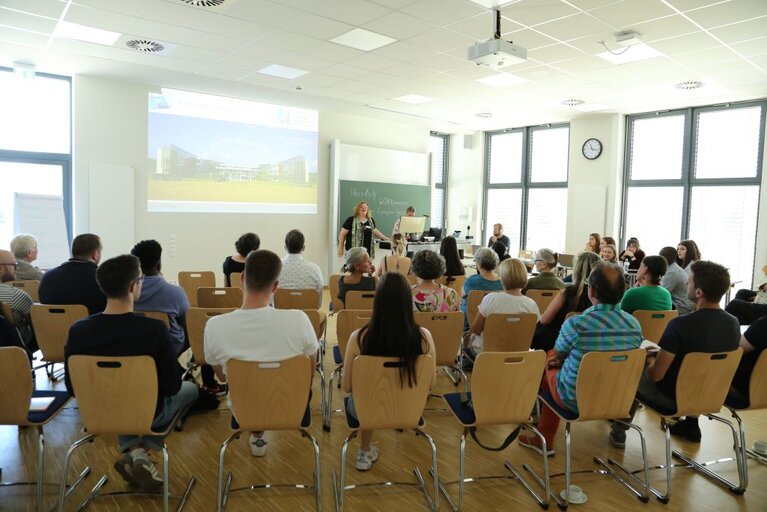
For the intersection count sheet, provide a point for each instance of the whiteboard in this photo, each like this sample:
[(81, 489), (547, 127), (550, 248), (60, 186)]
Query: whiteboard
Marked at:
[(43, 217)]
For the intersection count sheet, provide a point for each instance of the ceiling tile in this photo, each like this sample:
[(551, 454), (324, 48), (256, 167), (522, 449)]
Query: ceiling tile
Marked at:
[(344, 71), (709, 55), (742, 31), (162, 31), (354, 12), (23, 37), (533, 12), (379, 79), (177, 14), (442, 40), (318, 80), (263, 80), (372, 62), (213, 42), (288, 41), (409, 71), (572, 27), (752, 47), (243, 62), (670, 26), (554, 53), (194, 54), (48, 8), (686, 5), (404, 51), (21, 21), (398, 25), (223, 72), (733, 11), (352, 86), (482, 26), (320, 27), (530, 39), (232, 27), (266, 13), (683, 44), (99, 18), (592, 4), (333, 52), (131, 8), (443, 12), (394, 4), (627, 13), (440, 62), (583, 64)]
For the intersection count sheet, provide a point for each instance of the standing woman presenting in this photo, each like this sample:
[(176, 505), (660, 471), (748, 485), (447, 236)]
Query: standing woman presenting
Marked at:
[(359, 230)]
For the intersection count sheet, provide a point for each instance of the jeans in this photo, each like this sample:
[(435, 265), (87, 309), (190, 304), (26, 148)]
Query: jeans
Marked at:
[(651, 392), (181, 401)]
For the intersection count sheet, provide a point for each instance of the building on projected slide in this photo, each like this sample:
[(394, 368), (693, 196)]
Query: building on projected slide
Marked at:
[(175, 163)]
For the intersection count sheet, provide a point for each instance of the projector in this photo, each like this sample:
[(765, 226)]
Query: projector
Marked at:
[(497, 54)]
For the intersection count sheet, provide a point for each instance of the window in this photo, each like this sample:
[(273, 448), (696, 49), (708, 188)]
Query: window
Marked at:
[(696, 173), (35, 145), (438, 147), (526, 186)]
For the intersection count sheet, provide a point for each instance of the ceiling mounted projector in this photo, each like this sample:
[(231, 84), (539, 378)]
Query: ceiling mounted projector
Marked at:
[(496, 53)]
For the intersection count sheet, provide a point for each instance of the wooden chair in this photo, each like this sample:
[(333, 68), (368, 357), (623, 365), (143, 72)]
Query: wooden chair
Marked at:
[(7, 313), (701, 387), (319, 324), (190, 281), (235, 279), (382, 403), (196, 318), (157, 315), (543, 297), (605, 389), (30, 287), (504, 388), (268, 397), (473, 301), (347, 321), (130, 383), (446, 330), (335, 303), (307, 298), (454, 282), (509, 332), (51, 324), (356, 299), (411, 279), (654, 322), (212, 297), (17, 395)]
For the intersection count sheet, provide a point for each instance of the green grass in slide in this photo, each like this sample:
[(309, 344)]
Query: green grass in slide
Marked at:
[(232, 191)]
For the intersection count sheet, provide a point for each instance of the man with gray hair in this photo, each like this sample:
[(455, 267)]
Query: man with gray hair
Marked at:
[(24, 249)]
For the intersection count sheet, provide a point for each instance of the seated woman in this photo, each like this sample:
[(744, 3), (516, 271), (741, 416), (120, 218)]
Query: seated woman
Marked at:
[(485, 279), (428, 296), (392, 332), (448, 249), (545, 263), (687, 252), (513, 276), (360, 273), (607, 240), (633, 254), (594, 243), (396, 261), (236, 263), (574, 299), (609, 253)]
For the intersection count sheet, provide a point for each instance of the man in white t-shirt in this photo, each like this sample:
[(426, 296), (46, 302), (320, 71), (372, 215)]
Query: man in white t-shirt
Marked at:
[(258, 332), (297, 273)]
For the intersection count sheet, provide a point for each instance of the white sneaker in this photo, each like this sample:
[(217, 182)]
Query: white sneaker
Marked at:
[(366, 459), (257, 444)]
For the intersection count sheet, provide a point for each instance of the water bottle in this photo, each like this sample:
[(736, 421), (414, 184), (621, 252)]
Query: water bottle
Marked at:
[(626, 265)]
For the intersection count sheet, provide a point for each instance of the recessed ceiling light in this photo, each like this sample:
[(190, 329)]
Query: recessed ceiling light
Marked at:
[(485, 115), (573, 102), (79, 32), (689, 85), (362, 39), (591, 107), (501, 80), (413, 99), (631, 53), (282, 71)]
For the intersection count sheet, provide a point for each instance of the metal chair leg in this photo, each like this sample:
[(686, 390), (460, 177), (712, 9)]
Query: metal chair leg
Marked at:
[(220, 494), (63, 486), (627, 478)]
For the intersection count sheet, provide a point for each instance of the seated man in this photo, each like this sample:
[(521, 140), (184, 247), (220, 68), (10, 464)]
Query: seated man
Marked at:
[(258, 332), (24, 249), (159, 295), (120, 332), (675, 281), (74, 282), (708, 329), (649, 294), (602, 327), (18, 300), (753, 342), (749, 306), (297, 273)]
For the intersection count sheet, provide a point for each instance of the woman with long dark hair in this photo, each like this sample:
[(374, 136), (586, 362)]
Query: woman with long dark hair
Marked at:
[(632, 253), (391, 332), (687, 252), (448, 249)]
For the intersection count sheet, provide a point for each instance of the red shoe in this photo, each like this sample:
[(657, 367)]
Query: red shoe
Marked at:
[(534, 443)]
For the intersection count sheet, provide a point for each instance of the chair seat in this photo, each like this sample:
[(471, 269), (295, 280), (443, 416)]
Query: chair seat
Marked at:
[(352, 422), (663, 411), (461, 408), (562, 412), (60, 398), (337, 355), (306, 421)]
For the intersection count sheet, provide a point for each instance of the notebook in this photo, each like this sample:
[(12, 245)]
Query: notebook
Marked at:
[(40, 404)]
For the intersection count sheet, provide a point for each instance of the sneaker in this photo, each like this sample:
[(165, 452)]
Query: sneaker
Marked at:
[(617, 437), (366, 459), (257, 444), (534, 444), (687, 428), (146, 476), (124, 467)]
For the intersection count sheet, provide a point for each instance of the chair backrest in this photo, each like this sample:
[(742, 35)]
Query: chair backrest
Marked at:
[(472, 303), (212, 297), (30, 287), (333, 288), (757, 387), (157, 315), (454, 282), (307, 298), (607, 383), (51, 324), (654, 322), (15, 386), (411, 279), (269, 396), (235, 279), (115, 395), (446, 330), (196, 318), (348, 321), (315, 317), (356, 299), (509, 332), (381, 400), (504, 386), (7, 313), (572, 313), (543, 297), (191, 280), (704, 380)]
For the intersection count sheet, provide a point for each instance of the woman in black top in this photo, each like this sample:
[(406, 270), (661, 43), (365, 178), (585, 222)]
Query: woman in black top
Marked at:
[(633, 254), (236, 263), (449, 250), (359, 230)]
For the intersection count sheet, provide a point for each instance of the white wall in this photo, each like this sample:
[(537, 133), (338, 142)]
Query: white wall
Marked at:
[(464, 184)]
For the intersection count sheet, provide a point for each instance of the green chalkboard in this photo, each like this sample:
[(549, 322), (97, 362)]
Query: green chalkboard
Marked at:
[(387, 201)]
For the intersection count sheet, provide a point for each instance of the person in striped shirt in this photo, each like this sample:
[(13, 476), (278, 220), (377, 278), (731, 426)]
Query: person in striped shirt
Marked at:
[(602, 327)]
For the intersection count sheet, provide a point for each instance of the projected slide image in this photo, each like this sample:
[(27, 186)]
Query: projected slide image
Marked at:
[(214, 154)]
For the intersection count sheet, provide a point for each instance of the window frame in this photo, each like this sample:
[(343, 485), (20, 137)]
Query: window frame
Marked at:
[(442, 185)]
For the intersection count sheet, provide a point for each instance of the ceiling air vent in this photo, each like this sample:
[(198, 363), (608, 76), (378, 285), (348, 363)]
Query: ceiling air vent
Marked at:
[(204, 3), (689, 85), (145, 45)]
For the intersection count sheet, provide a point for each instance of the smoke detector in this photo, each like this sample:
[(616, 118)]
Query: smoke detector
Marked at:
[(629, 38)]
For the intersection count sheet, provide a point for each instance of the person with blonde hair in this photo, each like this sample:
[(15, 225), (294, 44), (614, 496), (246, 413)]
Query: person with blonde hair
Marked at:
[(513, 274), (396, 261), (24, 249), (609, 253), (359, 231)]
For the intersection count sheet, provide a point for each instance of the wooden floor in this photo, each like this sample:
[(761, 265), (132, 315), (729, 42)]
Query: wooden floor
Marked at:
[(194, 451)]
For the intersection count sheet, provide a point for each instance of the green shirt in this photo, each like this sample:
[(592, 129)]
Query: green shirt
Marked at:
[(653, 298)]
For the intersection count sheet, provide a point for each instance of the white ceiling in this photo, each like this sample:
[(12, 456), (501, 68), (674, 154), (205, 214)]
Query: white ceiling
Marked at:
[(721, 43)]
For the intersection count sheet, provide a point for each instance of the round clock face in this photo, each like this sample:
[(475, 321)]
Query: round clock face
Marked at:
[(592, 148)]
